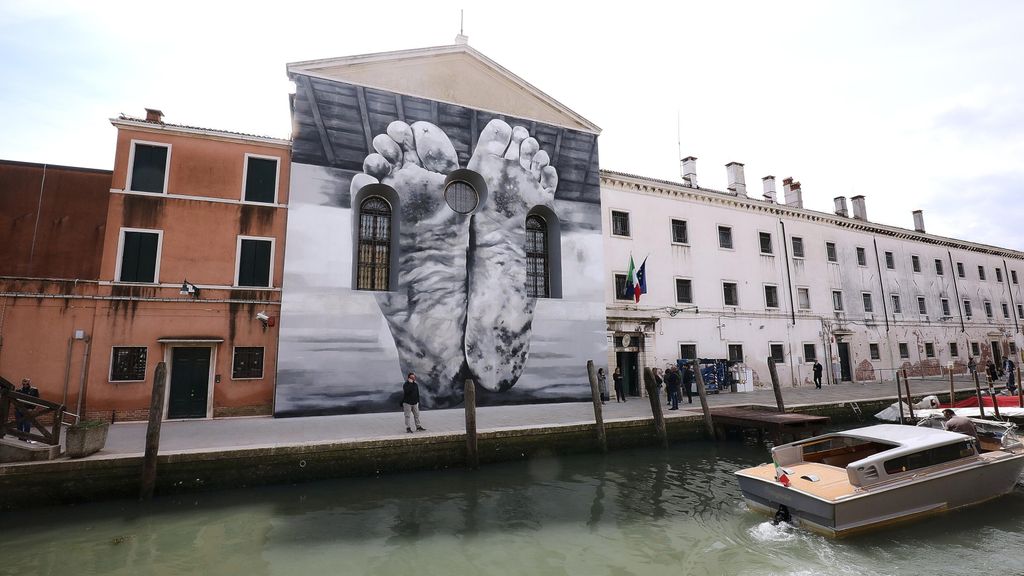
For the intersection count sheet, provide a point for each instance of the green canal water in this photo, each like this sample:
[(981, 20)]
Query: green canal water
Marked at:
[(640, 512)]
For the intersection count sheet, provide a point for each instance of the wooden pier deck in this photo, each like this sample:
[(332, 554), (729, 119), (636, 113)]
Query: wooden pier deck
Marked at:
[(779, 427)]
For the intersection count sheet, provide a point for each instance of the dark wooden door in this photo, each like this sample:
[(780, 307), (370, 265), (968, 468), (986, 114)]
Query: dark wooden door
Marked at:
[(629, 364), (997, 355), (190, 382), (844, 362)]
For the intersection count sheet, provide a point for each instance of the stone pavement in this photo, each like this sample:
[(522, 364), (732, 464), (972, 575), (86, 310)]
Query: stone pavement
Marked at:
[(223, 434)]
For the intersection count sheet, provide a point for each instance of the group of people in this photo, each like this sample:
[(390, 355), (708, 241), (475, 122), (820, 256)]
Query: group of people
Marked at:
[(673, 381), (993, 373)]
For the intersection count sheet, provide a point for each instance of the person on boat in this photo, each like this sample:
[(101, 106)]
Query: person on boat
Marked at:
[(959, 424)]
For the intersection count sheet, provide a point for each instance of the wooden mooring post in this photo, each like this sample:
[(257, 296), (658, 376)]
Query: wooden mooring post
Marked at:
[(977, 391), (659, 417), (595, 393), (995, 401), (156, 416), (910, 402), (709, 424), (774, 373), (1020, 389), (952, 391), (899, 396), (472, 457)]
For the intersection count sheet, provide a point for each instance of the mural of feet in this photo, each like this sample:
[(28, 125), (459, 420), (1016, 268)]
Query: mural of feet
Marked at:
[(460, 307)]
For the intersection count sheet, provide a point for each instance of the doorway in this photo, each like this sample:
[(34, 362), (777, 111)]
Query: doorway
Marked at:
[(997, 355), (628, 362), (190, 382), (844, 362)]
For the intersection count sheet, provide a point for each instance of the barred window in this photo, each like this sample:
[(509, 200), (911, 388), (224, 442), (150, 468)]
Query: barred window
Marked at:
[(248, 362), (537, 258), (128, 364), (374, 244)]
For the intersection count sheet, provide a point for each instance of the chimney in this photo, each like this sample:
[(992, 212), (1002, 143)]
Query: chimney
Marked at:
[(841, 206), (154, 115), (859, 211), (689, 169), (794, 196), (919, 221), (737, 184), (769, 188)]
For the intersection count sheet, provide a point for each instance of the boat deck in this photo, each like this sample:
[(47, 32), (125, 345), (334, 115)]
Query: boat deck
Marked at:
[(832, 483)]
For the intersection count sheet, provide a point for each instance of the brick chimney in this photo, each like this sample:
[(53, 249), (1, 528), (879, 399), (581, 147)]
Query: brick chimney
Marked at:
[(737, 184), (769, 188), (860, 212), (688, 167), (154, 115), (841, 206), (919, 221), (794, 196)]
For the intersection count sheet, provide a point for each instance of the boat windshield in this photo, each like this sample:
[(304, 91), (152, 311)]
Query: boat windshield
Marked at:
[(841, 450)]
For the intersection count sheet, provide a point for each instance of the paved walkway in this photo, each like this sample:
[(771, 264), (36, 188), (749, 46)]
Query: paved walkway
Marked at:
[(206, 435)]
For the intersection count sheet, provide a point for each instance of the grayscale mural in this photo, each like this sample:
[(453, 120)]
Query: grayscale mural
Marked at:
[(432, 238)]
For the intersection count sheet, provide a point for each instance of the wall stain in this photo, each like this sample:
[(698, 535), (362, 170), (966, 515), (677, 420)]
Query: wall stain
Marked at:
[(142, 211), (256, 220)]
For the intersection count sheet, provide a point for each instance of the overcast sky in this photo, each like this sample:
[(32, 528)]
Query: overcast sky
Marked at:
[(915, 105)]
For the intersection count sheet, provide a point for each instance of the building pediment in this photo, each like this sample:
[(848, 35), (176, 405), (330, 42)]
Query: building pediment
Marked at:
[(455, 74)]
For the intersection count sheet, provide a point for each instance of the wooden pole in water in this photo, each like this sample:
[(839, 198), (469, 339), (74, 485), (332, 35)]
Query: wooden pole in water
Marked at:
[(595, 393), (156, 416), (977, 391), (703, 393), (910, 402), (659, 416), (952, 392), (1020, 389), (995, 400), (774, 373), (899, 396), (472, 457)]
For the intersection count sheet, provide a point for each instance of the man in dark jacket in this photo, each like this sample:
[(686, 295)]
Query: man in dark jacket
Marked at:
[(411, 403), (672, 383), (24, 424), (817, 374), (688, 382)]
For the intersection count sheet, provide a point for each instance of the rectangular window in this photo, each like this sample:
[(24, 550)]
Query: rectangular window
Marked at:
[(975, 349), (1013, 348), (765, 240), (798, 247), (735, 352), (684, 291), (938, 267), (139, 256), (1013, 276), (778, 354), (862, 257), (771, 296), (830, 252), (248, 363), (896, 308), (620, 223), (1020, 311), (954, 350), (922, 307), (915, 263), (810, 355), (729, 294), (960, 270), (620, 288), (149, 167), (890, 262), (999, 274), (967, 309), (260, 183), (929, 350), (988, 309), (904, 350), (869, 305), (837, 300), (128, 364), (804, 297), (945, 306), (688, 351), (255, 261), (873, 350), (981, 272), (679, 233), (1006, 310), (724, 237)]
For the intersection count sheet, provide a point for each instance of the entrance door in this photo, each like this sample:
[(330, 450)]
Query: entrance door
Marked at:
[(997, 355), (190, 382), (628, 363), (844, 362)]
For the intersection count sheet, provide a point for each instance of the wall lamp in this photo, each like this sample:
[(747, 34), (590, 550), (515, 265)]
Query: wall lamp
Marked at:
[(673, 312), (188, 288)]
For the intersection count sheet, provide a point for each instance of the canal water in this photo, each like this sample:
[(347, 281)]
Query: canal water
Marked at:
[(638, 512)]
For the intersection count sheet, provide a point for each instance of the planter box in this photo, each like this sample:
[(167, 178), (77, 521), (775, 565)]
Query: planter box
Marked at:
[(82, 441)]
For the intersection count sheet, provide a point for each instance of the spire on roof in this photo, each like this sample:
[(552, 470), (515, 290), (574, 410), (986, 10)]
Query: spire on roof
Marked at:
[(460, 38)]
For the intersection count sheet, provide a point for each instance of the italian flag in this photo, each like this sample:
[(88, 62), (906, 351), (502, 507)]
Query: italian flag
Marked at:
[(780, 473), (636, 280)]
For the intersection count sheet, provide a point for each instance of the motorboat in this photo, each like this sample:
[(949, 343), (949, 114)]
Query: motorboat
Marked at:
[(843, 483)]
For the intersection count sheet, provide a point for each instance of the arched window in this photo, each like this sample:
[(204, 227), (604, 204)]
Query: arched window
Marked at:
[(374, 261), (537, 285)]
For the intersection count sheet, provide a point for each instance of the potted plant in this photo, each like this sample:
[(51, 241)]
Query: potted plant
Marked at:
[(86, 437)]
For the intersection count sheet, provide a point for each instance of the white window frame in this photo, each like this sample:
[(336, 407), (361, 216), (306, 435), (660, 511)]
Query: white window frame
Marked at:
[(803, 247), (672, 231), (922, 302), (120, 255), (238, 260), (737, 285), (799, 304), (131, 166), (675, 290), (681, 343), (940, 270), (946, 310), (857, 253), (934, 354), (835, 252), (913, 258), (888, 255), (877, 355), (987, 307), (968, 309), (897, 303), (842, 305), (954, 350), (718, 237), (263, 369), (245, 177), (776, 343), (870, 299), (778, 300), (1005, 308), (110, 365), (803, 350), (611, 222), (771, 243)]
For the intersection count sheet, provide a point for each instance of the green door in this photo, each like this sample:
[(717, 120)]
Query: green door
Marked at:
[(190, 382)]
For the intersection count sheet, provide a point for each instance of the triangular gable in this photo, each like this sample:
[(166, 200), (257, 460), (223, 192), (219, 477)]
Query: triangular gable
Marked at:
[(455, 74)]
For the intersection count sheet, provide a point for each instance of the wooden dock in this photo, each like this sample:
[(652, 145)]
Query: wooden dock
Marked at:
[(779, 427)]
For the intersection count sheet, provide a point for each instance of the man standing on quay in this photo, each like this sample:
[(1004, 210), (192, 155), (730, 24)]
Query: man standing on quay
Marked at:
[(817, 374), (411, 403)]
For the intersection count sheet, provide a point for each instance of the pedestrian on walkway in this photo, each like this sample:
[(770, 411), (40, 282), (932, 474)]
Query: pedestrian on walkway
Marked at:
[(617, 382), (991, 371), (1011, 382), (972, 366), (602, 385), (21, 417), (688, 382), (411, 403), (672, 384), (817, 374)]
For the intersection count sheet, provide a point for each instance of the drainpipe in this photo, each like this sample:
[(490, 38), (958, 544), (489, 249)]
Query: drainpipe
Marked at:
[(1013, 306), (885, 309), (789, 279), (82, 384)]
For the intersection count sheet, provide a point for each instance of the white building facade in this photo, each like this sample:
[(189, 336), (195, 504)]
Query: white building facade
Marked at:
[(734, 277)]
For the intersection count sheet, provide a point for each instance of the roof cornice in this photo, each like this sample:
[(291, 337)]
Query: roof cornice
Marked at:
[(157, 128)]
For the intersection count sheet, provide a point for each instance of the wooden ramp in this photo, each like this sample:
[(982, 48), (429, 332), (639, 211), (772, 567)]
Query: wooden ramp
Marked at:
[(779, 427)]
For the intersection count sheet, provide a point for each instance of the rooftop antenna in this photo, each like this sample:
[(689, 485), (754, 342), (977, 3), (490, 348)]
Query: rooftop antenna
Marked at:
[(461, 39), (679, 139)]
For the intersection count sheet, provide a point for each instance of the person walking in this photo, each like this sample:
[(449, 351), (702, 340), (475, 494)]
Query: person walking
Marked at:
[(658, 380), (1011, 381), (22, 419), (617, 382), (817, 374), (672, 384), (972, 366), (602, 385), (991, 371), (688, 382), (411, 403)]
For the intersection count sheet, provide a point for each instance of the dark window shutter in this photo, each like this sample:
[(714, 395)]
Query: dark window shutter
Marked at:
[(138, 260), (254, 263), (148, 168), (260, 180)]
